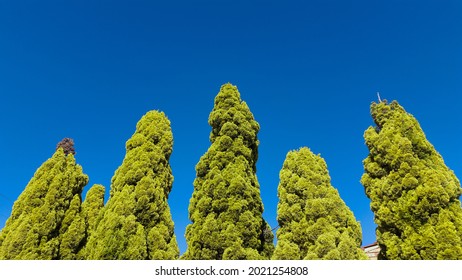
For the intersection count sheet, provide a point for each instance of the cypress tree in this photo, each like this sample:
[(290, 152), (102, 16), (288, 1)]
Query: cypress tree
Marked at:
[(72, 231), (226, 208), (92, 205), (90, 214), (414, 195), (136, 223), (314, 222), (40, 223)]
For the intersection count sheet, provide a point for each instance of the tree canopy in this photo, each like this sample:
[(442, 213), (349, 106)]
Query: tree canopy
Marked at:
[(44, 220), (226, 207), (314, 222), (414, 195), (136, 222)]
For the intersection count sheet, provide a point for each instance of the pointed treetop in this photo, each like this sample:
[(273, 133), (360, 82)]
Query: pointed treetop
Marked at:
[(383, 112), (230, 93), (232, 117), (68, 146)]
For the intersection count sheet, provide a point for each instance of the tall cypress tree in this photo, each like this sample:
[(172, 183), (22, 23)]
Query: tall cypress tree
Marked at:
[(314, 222), (39, 226), (226, 208), (136, 222), (414, 195)]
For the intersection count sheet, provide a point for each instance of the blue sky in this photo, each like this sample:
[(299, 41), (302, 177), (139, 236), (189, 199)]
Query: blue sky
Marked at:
[(308, 70)]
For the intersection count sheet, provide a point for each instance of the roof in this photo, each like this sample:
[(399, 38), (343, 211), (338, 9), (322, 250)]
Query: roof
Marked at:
[(370, 245)]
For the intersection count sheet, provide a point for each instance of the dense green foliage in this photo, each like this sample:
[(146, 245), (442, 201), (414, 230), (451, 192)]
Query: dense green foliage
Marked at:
[(414, 195), (45, 221), (90, 214), (226, 208), (92, 205), (136, 223), (72, 231), (314, 222)]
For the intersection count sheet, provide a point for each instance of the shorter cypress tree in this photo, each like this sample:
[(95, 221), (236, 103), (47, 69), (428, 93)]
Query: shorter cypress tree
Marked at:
[(90, 214), (40, 225), (92, 205), (72, 231), (136, 222), (314, 222)]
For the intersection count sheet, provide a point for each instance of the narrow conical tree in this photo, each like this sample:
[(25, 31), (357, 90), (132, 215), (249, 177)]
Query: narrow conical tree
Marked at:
[(314, 222), (90, 214), (226, 207), (72, 231), (136, 223), (414, 195), (92, 205), (39, 226)]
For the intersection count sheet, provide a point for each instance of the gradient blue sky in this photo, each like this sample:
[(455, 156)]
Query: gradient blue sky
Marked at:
[(308, 70)]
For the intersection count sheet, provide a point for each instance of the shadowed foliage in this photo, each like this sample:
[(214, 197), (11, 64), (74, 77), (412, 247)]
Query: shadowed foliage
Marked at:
[(226, 208), (314, 222), (414, 195)]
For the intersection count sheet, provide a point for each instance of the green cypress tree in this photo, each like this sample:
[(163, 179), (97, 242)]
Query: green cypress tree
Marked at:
[(414, 195), (314, 222), (39, 226), (226, 208), (90, 214), (72, 231), (136, 222), (92, 205)]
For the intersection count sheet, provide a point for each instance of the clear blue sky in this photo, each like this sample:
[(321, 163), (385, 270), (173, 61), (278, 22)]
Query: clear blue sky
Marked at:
[(308, 70)]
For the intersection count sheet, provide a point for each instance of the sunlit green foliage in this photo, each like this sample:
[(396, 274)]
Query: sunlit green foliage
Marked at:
[(92, 205), (45, 221), (73, 231), (315, 223), (414, 195), (136, 223), (90, 214), (226, 208)]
